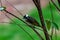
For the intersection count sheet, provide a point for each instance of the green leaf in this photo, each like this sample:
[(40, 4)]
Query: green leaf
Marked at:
[(48, 24), (55, 25)]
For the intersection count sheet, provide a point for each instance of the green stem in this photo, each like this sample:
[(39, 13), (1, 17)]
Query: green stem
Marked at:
[(52, 20), (25, 23), (55, 34)]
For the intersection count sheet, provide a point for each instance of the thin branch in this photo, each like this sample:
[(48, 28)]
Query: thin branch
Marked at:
[(20, 27), (38, 5), (14, 8), (55, 5), (36, 33), (41, 30), (15, 16), (17, 10), (23, 22)]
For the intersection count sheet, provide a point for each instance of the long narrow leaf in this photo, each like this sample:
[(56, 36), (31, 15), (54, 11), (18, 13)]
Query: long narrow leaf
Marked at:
[(48, 24), (55, 25)]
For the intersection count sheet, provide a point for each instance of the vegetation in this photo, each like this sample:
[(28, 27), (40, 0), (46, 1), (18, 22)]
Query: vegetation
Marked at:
[(47, 17)]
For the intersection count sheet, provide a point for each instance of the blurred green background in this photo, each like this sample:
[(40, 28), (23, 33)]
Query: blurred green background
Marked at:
[(14, 32)]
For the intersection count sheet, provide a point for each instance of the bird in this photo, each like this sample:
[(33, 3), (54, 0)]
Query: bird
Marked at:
[(31, 20)]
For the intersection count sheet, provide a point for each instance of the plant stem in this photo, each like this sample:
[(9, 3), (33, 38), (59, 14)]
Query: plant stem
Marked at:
[(38, 5), (37, 33), (20, 27), (25, 23), (55, 34), (43, 25), (52, 20), (52, 33), (55, 5)]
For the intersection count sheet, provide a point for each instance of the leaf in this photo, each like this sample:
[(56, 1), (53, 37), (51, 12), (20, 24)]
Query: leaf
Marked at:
[(48, 24), (55, 25)]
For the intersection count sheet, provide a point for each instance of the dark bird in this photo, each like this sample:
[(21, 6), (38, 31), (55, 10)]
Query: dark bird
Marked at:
[(31, 20)]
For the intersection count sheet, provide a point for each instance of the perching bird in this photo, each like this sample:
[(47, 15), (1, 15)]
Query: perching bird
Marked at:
[(59, 2), (31, 20)]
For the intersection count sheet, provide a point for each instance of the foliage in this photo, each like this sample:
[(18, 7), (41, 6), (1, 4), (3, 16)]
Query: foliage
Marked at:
[(13, 32)]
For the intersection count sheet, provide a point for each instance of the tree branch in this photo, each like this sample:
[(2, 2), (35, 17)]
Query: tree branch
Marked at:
[(41, 38), (38, 5), (26, 24), (20, 27), (55, 5)]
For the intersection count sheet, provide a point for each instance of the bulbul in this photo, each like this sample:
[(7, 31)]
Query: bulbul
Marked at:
[(31, 20)]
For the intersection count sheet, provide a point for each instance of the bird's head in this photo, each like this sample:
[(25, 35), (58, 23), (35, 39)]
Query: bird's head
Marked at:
[(25, 16)]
